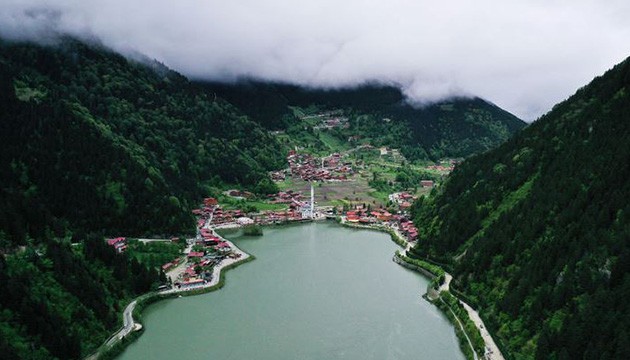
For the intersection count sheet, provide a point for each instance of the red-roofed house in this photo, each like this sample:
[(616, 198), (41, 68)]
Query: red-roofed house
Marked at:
[(192, 283), (119, 243), (195, 254), (210, 201)]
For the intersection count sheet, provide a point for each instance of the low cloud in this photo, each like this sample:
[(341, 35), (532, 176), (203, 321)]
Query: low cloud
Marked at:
[(524, 56)]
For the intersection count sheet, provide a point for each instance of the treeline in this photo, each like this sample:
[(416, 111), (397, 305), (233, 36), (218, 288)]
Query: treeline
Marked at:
[(62, 302), (101, 142), (538, 230)]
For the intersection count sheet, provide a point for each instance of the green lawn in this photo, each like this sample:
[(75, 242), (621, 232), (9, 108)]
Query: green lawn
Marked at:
[(333, 143)]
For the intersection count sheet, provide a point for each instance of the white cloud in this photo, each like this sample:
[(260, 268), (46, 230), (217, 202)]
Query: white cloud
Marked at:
[(522, 55)]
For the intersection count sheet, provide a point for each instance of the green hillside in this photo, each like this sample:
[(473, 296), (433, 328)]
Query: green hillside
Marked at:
[(452, 128), (537, 231), (101, 142), (96, 145)]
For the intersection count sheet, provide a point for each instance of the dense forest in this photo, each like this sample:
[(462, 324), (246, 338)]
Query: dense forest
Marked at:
[(456, 127), (87, 132), (537, 232)]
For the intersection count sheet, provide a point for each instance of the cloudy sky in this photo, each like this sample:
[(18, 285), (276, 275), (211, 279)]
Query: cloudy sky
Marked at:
[(522, 55)]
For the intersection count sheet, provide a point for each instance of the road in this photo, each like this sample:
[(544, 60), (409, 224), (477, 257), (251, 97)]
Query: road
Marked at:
[(492, 350), (128, 324), (144, 241)]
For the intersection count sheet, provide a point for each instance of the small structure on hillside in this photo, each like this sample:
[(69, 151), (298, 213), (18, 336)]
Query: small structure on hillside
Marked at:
[(119, 244)]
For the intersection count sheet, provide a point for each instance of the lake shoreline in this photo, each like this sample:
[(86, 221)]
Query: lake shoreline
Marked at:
[(115, 349), (485, 344), (122, 338)]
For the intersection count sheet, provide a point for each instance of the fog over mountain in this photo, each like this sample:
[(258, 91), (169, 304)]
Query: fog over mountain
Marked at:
[(524, 56)]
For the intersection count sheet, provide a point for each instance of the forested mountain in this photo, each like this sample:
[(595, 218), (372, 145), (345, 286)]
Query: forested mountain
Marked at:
[(101, 142), (94, 144), (452, 128), (537, 231)]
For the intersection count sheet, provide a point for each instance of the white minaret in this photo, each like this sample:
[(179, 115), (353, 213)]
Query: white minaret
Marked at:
[(312, 201), (308, 209)]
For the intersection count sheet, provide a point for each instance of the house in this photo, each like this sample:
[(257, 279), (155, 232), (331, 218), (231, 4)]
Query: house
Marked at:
[(384, 216), (195, 254), (119, 244), (191, 283), (426, 183), (210, 201), (245, 221)]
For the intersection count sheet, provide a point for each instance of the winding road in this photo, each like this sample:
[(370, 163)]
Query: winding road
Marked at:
[(128, 324), (492, 350)]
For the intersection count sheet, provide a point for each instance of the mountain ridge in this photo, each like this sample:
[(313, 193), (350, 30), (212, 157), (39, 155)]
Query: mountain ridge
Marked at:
[(537, 230)]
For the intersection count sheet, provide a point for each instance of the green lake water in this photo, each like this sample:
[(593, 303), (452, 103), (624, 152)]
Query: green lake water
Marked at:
[(315, 291)]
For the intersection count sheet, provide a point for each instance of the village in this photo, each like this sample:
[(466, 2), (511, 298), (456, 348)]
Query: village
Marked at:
[(309, 168), (205, 254), (208, 252)]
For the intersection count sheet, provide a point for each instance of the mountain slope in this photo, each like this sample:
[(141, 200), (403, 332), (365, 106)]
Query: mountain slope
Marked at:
[(94, 145), (453, 128), (85, 131), (538, 230)]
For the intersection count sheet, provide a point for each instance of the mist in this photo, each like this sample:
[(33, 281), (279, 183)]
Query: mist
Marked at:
[(523, 56)]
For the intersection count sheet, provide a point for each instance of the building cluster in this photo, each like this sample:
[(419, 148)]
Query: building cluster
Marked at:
[(401, 223), (408, 229), (170, 265), (277, 217), (210, 249), (119, 244), (285, 197), (445, 166), (402, 199), (333, 122), (365, 216), (308, 168), (212, 212)]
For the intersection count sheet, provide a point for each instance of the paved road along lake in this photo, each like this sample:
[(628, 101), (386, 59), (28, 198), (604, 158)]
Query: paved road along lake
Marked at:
[(315, 291)]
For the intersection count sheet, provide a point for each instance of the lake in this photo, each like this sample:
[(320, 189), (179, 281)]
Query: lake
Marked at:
[(315, 291)]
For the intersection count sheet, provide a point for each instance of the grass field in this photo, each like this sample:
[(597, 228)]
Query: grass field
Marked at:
[(335, 193)]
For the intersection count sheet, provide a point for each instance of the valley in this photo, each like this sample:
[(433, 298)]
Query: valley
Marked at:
[(124, 181)]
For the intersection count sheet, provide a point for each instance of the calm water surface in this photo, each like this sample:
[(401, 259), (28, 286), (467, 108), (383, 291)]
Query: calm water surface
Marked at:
[(315, 291)]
